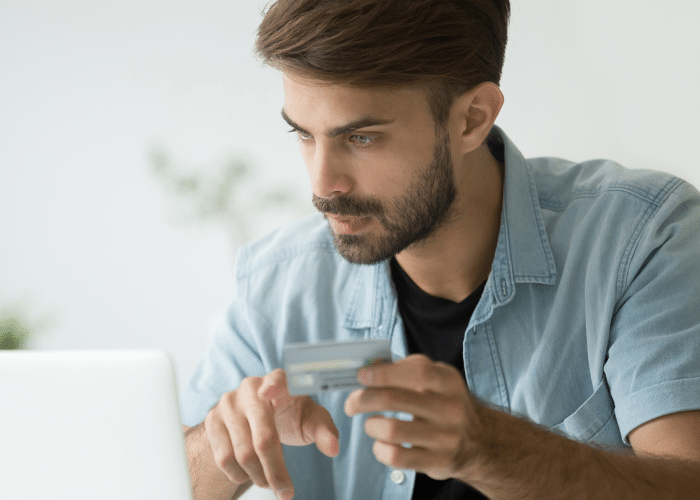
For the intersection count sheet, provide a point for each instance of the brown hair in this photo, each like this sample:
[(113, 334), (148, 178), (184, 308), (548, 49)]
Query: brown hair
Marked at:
[(447, 46)]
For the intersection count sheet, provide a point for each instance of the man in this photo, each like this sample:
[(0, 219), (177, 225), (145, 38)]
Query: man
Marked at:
[(543, 315)]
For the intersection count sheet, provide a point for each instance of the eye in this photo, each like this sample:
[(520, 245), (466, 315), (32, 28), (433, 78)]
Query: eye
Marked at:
[(302, 135), (362, 140)]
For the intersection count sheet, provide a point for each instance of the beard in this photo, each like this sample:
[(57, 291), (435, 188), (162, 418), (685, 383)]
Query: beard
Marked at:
[(406, 220)]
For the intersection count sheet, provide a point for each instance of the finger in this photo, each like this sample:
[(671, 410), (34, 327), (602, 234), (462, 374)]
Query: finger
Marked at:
[(429, 407), (417, 433), (274, 386), (222, 449), (416, 372), (243, 449), (399, 457), (317, 424), (268, 447)]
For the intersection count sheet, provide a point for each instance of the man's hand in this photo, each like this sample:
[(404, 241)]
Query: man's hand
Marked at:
[(446, 427), (247, 427), (504, 456)]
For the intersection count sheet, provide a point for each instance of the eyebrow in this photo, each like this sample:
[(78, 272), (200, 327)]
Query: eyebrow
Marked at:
[(363, 122)]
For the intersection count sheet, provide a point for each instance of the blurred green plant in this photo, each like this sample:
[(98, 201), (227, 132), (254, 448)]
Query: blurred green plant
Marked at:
[(230, 194), (212, 197), (14, 333)]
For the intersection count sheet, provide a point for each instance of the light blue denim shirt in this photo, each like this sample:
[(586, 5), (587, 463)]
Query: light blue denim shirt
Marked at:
[(589, 323)]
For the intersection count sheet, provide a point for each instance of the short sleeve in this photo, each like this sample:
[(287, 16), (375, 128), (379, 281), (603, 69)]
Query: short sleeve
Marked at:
[(653, 365)]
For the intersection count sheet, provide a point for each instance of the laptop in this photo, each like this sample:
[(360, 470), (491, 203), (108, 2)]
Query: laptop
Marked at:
[(84, 425)]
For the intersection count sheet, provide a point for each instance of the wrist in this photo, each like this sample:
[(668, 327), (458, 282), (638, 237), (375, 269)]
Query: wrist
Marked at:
[(514, 457), (206, 479), (481, 446)]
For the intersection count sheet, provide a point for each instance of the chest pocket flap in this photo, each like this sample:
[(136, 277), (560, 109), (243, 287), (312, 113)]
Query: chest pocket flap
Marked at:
[(594, 420)]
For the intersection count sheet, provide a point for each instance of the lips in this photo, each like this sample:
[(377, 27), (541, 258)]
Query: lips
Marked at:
[(347, 225)]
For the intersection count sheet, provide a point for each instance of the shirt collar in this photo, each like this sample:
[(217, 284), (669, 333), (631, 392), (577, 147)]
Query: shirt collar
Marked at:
[(523, 253)]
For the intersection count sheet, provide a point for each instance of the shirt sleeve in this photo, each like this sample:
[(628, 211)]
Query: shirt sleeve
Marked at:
[(653, 365)]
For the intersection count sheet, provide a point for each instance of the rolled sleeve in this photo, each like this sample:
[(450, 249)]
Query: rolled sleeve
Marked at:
[(653, 365), (655, 401)]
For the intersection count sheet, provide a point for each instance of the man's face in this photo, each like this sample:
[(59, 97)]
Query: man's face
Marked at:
[(380, 171)]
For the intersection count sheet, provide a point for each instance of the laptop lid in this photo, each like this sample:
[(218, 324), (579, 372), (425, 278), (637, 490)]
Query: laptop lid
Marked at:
[(83, 425)]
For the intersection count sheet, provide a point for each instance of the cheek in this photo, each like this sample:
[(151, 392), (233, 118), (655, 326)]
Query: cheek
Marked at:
[(392, 175), (386, 180)]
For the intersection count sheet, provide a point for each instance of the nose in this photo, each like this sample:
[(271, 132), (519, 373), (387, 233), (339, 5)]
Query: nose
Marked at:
[(328, 172)]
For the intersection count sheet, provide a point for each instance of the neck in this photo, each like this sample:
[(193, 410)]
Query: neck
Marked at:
[(453, 261)]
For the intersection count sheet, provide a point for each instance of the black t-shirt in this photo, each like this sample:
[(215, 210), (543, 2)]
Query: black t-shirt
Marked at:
[(435, 327)]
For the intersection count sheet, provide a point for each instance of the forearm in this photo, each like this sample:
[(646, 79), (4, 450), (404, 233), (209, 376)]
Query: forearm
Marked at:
[(208, 481), (522, 461)]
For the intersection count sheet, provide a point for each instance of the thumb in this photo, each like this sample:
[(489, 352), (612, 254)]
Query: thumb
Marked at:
[(318, 427)]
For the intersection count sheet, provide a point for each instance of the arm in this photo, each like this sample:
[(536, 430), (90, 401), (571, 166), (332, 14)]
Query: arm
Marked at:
[(507, 458), (520, 460)]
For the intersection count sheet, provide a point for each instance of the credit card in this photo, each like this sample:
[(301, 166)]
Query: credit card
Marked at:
[(330, 366)]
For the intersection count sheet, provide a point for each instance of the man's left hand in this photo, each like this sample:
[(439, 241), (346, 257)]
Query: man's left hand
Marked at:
[(446, 428)]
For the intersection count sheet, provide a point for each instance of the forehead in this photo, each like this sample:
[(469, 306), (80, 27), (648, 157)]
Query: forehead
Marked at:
[(307, 99)]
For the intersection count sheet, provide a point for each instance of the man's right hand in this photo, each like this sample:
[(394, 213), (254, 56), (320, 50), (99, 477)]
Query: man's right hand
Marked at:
[(247, 427)]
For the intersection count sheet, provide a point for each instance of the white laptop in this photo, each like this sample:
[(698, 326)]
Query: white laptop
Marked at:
[(85, 425)]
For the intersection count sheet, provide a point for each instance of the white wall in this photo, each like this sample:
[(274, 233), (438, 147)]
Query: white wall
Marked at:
[(606, 79), (89, 238)]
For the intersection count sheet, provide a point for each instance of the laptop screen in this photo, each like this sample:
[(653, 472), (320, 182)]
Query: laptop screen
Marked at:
[(90, 424)]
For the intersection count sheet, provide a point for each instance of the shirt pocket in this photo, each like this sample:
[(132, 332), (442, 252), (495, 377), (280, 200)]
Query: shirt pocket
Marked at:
[(594, 420)]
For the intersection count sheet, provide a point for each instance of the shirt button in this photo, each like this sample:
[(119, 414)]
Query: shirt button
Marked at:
[(397, 476)]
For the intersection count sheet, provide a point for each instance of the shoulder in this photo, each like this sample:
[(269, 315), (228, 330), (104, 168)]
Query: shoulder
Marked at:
[(307, 236), (294, 286), (298, 259), (616, 218), (619, 204), (560, 182)]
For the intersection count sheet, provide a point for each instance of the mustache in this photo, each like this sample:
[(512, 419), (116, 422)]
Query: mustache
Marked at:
[(348, 206)]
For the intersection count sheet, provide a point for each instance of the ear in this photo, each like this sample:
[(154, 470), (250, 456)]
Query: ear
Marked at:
[(473, 114)]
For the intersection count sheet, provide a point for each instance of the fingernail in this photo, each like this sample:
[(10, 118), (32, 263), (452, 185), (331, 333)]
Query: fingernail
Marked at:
[(285, 494)]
